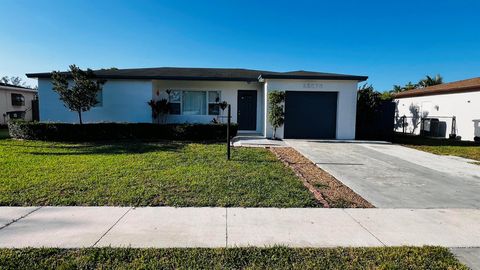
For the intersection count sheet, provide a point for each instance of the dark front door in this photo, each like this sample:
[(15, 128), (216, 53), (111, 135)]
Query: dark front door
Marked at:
[(310, 115), (247, 110)]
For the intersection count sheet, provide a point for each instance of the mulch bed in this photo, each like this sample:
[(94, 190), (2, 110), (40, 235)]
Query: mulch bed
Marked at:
[(326, 188)]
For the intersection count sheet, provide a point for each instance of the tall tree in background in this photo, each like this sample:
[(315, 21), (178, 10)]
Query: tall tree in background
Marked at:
[(374, 109), (429, 81), (369, 100), (82, 95), (406, 87), (410, 86), (397, 89), (425, 82), (15, 80)]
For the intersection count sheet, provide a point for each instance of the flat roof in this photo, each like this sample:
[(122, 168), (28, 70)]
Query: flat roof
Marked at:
[(469, 85), (212, 74), (7, 86)]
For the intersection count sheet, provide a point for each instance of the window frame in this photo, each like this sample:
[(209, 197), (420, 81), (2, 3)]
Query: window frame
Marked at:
[(13, 100), (215, 102), (179, 102)]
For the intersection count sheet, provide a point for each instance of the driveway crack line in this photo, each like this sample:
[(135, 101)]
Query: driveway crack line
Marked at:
[(365, 228), (111, 227), (21, 217)]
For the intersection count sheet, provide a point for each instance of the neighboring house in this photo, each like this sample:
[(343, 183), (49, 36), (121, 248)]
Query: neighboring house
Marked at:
[(318, 105), (16, 102), (438, 104)]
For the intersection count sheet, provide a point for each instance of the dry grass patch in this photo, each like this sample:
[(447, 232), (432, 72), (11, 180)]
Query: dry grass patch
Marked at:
[(326, 188)]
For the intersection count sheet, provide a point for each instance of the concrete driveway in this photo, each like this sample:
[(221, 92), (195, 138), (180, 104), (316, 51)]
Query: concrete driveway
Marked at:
[(393, 176)]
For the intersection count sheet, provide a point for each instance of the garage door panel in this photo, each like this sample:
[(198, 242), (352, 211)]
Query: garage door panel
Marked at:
[(310, 115)]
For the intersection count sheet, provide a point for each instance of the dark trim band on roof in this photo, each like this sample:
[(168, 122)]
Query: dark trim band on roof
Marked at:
[(128, 77), (207, 74), (312, 77)]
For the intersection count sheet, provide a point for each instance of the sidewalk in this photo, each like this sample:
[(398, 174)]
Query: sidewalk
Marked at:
[(71, 227)]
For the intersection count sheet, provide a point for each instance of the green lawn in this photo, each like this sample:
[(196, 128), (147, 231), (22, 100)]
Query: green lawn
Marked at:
[(235, 258), (145, 174), (464, 149)]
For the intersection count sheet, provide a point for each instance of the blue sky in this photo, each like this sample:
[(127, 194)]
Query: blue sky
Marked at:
[(392, 42)]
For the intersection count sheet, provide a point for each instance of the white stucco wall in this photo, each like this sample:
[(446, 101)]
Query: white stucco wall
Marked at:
[(346, 103), (464, 106), (6, 103), (123, 101), (228, 89), (126, 101)]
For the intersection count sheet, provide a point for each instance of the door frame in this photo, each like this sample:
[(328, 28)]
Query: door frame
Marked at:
[(256, 109)]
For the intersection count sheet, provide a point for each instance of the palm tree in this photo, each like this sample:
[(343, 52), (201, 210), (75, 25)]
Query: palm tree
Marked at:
[(429, 81), (397, 89), (410, 86)]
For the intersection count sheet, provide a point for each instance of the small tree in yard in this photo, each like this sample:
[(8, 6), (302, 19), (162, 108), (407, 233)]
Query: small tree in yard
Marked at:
[(276, 114), (82, 95)]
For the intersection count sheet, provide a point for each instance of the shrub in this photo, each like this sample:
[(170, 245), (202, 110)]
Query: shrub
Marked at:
[(118, 131), (276, 114)]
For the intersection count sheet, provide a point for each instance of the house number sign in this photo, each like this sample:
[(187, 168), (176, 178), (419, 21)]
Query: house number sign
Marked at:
[(313, 85)]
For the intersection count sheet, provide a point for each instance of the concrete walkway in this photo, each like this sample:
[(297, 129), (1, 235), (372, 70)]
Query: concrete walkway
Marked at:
[(70, 227), (250, 140), (393, 176)]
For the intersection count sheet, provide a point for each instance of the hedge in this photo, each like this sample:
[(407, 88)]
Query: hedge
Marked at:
[(118, 131)]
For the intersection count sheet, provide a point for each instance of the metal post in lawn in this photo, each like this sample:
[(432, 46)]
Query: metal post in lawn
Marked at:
[(229, 115)]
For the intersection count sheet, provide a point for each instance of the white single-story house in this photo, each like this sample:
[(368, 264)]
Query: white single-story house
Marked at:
[(16, 102), (318, 105), (449, 108)]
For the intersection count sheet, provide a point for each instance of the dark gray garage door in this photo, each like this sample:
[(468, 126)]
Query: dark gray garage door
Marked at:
[(310, 115)]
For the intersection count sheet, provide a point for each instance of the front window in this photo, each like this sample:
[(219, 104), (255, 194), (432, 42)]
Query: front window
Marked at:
[(175, 101), (18, 100), (16, 115), (213, 102), (194, 102)]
